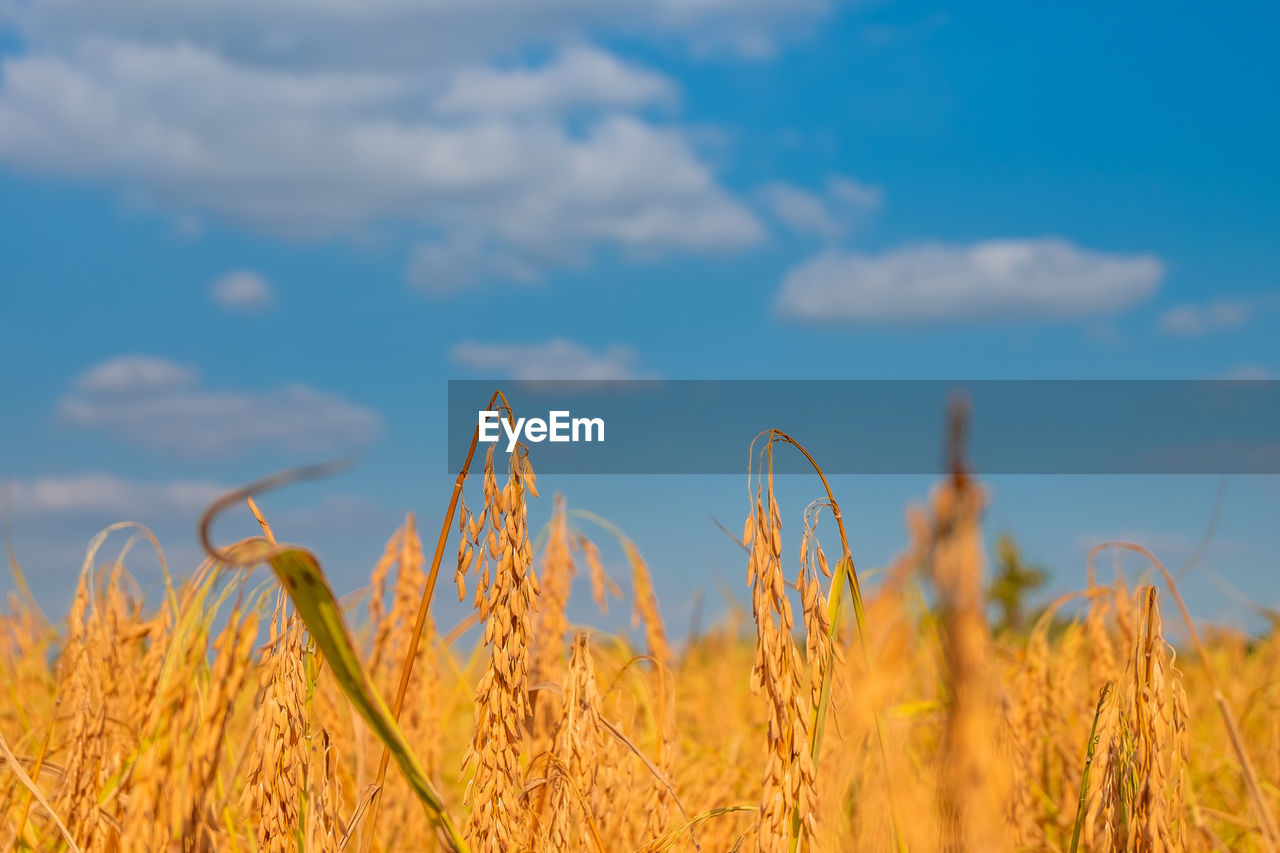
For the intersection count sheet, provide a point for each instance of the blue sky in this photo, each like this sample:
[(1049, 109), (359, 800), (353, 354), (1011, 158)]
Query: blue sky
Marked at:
[(217, 216)]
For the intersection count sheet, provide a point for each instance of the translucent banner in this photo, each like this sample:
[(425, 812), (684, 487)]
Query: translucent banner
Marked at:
[(876, 427)]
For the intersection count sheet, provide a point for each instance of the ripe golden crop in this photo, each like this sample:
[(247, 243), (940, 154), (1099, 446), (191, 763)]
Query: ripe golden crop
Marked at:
[(832, 718)]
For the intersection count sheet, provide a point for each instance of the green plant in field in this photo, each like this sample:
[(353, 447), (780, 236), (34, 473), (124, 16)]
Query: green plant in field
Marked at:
[(1015, 579)]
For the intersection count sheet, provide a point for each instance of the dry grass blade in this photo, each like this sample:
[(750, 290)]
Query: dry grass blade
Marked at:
[(356, 816), (653, 770), (16, 768), (669, 838)]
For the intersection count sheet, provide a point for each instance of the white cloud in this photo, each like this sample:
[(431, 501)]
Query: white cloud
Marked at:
[(329, 118), (558, 358), (1042, 279), (800, 209), (1193, 320), (127, 374), (242, 290), (580, 77), (827, 214), (161, 405), (109, 494), (402, 34), (59, 510), (854, 193), (462, 260), (323, 153)]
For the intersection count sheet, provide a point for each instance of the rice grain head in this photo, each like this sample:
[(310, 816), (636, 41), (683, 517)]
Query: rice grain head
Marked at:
[(776, 674), (499, 821)]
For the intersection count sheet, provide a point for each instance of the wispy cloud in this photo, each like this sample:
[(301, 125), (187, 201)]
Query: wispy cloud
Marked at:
[(1042, 279), (99, 493), (558, 358), (162, 405), (398, 35), (242, 290), (1188, 320), (463, 260), (55, 499), (581, 77), (135, 374), (826, 214)]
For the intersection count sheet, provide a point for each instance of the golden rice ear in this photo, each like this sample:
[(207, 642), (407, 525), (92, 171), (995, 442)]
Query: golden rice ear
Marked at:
[(786, 795), (499, 819), (602, 586), (277, 768), (551, 624), (581, 760)]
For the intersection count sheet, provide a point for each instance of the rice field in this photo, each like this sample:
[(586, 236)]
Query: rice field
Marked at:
[(841, 713)]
